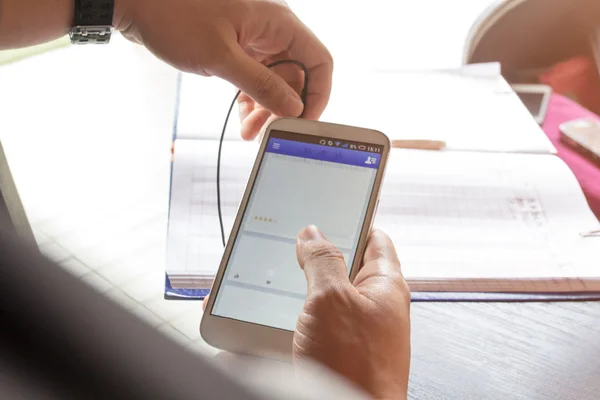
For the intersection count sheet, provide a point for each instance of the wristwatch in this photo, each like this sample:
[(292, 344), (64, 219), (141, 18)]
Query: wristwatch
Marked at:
[(92, 22)]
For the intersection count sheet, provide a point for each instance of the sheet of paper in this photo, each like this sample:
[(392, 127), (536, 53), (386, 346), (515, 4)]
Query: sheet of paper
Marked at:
[(472, 108), (453, 216), (468, 112), (194, 246), (471, 215)]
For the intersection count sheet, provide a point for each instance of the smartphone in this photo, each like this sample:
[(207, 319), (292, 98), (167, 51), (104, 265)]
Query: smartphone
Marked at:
[(536, 98), (583, 136), (306, 172)]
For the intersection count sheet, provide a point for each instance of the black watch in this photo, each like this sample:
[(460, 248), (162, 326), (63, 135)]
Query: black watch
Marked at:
[(92, 21)]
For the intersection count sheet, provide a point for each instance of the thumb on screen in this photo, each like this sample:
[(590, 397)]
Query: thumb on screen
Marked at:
[(322, 262)]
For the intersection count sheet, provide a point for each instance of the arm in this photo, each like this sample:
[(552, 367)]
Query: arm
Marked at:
[(229, 39), (29, 22)]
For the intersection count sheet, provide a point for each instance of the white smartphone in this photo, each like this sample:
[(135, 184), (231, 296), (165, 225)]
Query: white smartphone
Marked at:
[(306, 172), (536, 98), (583, 136)]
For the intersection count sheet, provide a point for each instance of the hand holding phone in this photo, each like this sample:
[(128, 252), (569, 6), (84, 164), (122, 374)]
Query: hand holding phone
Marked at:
[(359, 329), (306, 173), (353, 328)]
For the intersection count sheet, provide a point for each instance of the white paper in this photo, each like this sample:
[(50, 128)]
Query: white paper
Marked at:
[(464, 218), (468, 112), (472, 215), (472, 108), (194, 245)]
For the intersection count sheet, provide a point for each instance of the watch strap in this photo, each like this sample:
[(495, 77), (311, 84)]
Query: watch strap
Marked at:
[(94, 12), (92, 21)]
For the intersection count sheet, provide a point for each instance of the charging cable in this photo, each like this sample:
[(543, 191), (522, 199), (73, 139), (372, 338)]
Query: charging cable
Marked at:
[(303, 94)]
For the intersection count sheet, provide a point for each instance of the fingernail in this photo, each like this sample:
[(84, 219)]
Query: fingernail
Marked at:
[(296, 101), (244, 109), (310, 233)]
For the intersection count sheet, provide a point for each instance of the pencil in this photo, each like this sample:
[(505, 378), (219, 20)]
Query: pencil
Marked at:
[(419, 144)]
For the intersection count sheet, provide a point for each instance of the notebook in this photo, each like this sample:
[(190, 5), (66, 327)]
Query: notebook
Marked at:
[(503, 220)]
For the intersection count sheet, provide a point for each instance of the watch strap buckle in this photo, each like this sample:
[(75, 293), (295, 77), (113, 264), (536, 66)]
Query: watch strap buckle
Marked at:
[(90, 34)]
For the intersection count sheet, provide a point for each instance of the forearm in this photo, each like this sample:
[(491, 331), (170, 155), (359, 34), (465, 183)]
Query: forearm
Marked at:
[(29, 22)]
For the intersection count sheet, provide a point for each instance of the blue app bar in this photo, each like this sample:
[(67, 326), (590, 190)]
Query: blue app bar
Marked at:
[(324, 153)]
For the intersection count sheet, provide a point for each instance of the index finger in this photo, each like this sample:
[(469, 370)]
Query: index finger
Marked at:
[(381, 266), (380, 249)]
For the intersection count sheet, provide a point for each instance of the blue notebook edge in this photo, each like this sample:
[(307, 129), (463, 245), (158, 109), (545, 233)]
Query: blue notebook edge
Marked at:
[(502, 297), (422, 297), (183, 294)]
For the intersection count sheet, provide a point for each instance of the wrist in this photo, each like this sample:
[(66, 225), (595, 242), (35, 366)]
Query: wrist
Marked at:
[(393, 391), (393, 396), (396, 396), (26, 23)]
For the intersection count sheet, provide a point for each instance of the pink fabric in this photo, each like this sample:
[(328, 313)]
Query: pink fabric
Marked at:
[(560, 110)]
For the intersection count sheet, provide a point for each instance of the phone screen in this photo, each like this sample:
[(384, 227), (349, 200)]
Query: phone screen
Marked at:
[(533, 101), (301, 180)]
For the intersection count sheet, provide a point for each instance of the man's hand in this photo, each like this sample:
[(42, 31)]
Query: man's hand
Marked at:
[(234, 40), (359, 329), (230, 39)]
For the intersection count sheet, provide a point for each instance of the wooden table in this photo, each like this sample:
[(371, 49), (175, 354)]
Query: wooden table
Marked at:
[(505, 351)]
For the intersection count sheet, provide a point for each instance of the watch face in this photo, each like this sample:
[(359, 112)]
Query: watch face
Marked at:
[(90, 34)]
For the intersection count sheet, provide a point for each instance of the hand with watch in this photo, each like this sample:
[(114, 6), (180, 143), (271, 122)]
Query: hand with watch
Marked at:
[(230, 39)]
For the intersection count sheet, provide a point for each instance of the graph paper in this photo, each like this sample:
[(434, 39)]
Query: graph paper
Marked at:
[(496, 221)]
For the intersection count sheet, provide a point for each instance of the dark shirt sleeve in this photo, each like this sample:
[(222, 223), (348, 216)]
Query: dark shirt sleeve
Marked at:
[(60, 339)]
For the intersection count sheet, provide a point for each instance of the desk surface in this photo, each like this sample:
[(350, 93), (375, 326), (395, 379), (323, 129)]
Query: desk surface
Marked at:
[(505, 351), (107, 225)]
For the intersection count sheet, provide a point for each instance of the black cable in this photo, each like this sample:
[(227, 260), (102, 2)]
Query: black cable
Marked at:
[(303, 94)]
